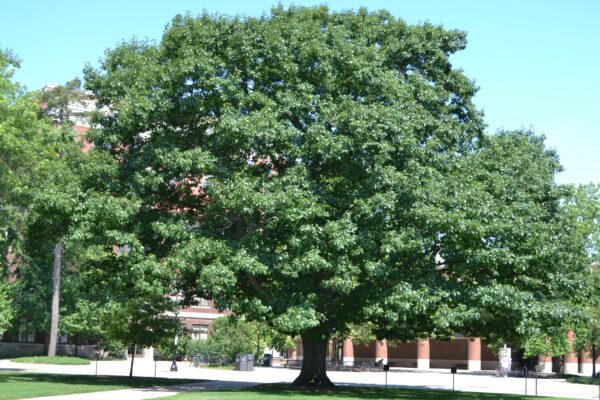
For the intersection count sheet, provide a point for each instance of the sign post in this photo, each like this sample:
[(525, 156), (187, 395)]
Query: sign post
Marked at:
[(96, 357), (505, 360)]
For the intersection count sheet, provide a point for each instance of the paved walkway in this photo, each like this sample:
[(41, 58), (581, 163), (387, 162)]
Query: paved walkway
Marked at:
[(220, 379)]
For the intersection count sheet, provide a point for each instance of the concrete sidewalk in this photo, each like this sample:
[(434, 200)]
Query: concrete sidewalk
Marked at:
[(224, 379)]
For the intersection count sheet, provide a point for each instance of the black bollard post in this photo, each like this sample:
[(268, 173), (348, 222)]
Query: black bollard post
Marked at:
[(386, 368)]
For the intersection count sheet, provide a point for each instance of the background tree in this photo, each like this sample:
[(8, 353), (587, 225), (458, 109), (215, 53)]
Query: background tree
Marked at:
[(25, 153), (316, 170), (230, 336), (584, 205), (131, 290), (6, 309), (139, 324), (65, 104), (55, 204), (587, 337)]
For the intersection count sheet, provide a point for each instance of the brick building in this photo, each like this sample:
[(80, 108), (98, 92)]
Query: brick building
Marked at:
[(464, 353)]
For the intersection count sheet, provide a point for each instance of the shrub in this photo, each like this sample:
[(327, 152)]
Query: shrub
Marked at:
[(111, 350)]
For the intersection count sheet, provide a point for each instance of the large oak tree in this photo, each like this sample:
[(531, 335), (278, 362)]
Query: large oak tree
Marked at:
[(316, 169)]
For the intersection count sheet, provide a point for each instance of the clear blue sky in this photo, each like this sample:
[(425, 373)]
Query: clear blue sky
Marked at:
[(537, 62)]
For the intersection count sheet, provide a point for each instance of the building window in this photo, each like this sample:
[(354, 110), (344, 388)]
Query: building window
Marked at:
[(201, 303), (199, 332), (26, 336)]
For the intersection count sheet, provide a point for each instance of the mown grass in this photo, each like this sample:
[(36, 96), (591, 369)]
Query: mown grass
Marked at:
[(20, 385), (279, 391), (52, 360)]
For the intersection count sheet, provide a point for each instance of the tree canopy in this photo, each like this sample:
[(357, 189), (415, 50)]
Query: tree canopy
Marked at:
[(24, 149), (26, 159), (317, 169)]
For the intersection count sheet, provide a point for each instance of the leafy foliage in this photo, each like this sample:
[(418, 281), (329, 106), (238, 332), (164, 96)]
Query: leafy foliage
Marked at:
[(6, 310), (52, 214), (27, 158), (23, 150), (64, 103), (318, 170), (228, 337), (231, 337)]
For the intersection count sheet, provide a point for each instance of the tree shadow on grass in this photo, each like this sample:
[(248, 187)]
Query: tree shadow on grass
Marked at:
[(369, 392), (102, 380)]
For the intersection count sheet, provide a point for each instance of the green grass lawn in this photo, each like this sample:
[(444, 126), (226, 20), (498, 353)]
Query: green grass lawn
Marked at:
[(279, 391), (52, 360), (17, 385)]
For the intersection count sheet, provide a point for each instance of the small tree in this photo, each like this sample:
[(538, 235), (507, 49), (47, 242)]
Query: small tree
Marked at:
[(232, 337), (56, 203), (36, 179), (138, 323), (24, 155)]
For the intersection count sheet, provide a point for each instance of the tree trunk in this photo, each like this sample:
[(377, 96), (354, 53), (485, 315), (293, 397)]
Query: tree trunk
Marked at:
[(132, 358), (314, 363), (55, 299), (593, 360)]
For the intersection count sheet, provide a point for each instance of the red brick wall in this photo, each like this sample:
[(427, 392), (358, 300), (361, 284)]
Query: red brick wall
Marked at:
[(210, 309), (402, 350), (188, 322), (364, 351), (451, 350), (486, 353)]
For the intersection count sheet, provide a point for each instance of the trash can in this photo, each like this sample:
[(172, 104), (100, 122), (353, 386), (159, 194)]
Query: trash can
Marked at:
[(244, 362), (268, 360), (249, 362)]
